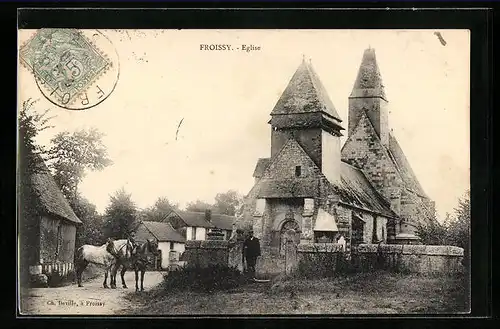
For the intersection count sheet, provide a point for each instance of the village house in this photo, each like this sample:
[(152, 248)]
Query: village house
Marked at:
[(195, 225), (170, 242), (48, 225), (363, 192)]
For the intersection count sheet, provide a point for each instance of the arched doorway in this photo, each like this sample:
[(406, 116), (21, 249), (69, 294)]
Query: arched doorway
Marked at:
[(290, 230)]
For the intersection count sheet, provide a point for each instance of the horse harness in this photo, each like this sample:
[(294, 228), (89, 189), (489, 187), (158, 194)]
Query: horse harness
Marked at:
[(115, 253)]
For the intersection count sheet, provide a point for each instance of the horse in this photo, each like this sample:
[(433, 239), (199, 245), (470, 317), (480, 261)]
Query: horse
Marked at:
[(99, 255), (137, 261)]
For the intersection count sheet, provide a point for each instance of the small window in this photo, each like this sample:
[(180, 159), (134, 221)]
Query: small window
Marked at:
[(194, 233), (298, 171), (171, 245)]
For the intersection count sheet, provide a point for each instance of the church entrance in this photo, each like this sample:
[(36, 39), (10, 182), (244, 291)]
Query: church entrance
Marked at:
[(290, 232)]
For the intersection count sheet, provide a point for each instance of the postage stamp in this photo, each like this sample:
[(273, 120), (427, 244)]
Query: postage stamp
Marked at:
[(65, 63)]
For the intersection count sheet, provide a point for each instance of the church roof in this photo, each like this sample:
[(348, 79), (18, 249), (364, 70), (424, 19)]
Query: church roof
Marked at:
[(404, 168), (47, 195), (292, 187), (369, 80), (260, 167), (356, 190), (305, 94)]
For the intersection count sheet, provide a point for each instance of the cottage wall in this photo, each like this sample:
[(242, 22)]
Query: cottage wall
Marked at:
[(165, 252), (170, 256), (57, 240), (57, 247)]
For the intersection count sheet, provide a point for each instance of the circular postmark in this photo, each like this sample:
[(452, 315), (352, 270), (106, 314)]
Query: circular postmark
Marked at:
[(73, 69)]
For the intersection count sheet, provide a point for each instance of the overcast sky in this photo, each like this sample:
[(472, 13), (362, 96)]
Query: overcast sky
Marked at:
[(225, 99)]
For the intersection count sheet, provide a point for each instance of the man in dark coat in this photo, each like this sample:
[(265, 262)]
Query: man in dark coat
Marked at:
[(251, 250)]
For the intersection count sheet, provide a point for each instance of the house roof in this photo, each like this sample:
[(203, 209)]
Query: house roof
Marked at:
[(369, 80), (262, 164), (193, 218), (162, 231), (356, 190), (48, 196), (404, 168), (223, 222), (305, 94)]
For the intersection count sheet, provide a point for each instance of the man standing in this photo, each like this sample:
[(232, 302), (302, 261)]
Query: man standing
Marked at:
[(251, 250)]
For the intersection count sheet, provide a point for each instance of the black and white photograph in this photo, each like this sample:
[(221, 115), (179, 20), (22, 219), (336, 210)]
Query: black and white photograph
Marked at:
[(243, 172)]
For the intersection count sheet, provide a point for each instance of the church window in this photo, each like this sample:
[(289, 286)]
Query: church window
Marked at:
[(298, 171)]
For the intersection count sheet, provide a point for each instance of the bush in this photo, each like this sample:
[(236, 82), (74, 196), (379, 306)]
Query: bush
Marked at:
[(203, 279)]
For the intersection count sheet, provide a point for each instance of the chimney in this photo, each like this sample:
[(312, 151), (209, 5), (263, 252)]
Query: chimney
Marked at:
[(208, 215)]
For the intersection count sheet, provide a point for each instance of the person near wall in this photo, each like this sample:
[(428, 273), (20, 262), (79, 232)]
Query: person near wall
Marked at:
[(341, 241), (251, 250)]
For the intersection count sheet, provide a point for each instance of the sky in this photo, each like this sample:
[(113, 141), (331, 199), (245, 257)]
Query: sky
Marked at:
[(224, 99)]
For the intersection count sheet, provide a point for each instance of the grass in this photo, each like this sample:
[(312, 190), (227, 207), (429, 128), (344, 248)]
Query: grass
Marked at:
[(365, 293)]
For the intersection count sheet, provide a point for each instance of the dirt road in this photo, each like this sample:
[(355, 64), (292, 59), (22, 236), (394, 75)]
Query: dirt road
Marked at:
[(91, 299)]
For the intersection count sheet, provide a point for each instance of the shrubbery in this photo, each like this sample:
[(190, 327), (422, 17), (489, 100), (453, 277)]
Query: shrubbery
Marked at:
[(454, 231), (203, 279)]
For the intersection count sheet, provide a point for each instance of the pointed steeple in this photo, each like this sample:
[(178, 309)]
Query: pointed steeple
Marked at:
[(305, 94), (369, 80), (368, 96)]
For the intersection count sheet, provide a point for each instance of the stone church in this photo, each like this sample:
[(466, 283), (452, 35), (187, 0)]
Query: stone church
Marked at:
[(364, 191)]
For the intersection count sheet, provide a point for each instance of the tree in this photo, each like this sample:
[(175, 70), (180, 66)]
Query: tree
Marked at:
[(161, 208), (91, 230), (432, 233), (228, 203), (459, 226), (198, 205), (72, 154), (455, 229), (120, 215), (31, 124), (30, 161)]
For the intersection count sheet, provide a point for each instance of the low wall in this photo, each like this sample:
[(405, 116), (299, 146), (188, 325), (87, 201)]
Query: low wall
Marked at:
[(214, 252), (320, 259), (324, 259), (423, 259)]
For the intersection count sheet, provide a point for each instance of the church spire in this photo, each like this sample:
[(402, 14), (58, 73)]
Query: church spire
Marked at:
[(368, 97), (305, 94), (369, 80)]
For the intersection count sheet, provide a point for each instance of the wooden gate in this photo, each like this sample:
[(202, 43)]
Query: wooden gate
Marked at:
[(290, 248)]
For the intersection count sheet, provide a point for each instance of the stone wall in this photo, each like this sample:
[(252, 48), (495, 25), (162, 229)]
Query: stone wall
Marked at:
[(205, 253), (213, 252), (325, 259), (421, 259)]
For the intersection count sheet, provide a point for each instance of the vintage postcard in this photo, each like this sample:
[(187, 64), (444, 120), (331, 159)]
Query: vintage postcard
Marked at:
[(244, 172)]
